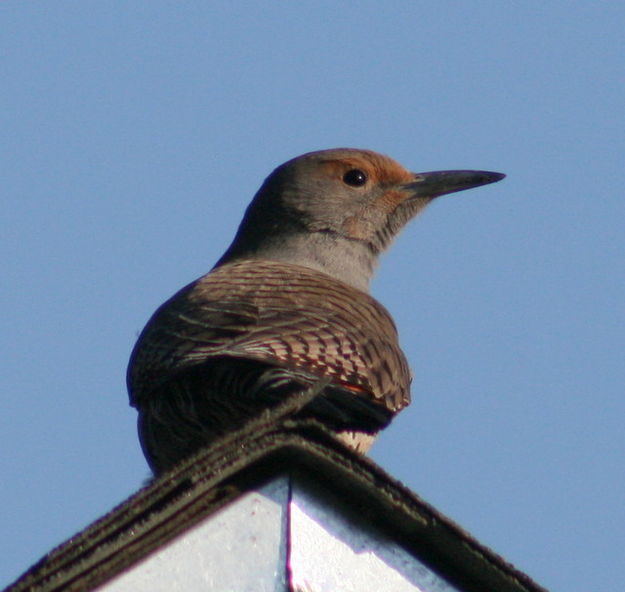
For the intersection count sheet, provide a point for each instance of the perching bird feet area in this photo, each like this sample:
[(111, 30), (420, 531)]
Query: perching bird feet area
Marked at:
[(272, 508)]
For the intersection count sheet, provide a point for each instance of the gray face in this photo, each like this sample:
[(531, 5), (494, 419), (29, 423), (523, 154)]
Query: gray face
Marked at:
[(325, 208)]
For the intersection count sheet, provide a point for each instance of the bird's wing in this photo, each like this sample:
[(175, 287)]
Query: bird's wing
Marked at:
[(352, 343)]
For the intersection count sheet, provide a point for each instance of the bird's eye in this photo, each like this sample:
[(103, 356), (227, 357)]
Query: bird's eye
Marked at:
[(355, 178)]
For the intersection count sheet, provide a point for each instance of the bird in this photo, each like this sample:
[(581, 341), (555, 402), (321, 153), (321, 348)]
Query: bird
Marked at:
[(287, 308)]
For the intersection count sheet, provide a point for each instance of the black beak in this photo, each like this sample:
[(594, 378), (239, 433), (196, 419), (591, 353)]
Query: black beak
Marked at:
[(433, 184)]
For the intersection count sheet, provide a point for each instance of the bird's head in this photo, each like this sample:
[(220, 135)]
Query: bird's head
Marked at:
[(337, 210)]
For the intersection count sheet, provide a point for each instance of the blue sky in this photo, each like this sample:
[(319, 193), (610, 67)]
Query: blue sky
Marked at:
[(135, 133)]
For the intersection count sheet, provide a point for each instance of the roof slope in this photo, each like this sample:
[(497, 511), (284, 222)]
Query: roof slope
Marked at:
[(244, 461)]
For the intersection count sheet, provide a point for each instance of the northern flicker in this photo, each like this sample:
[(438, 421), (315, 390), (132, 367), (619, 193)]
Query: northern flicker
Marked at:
[(286, 306)]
